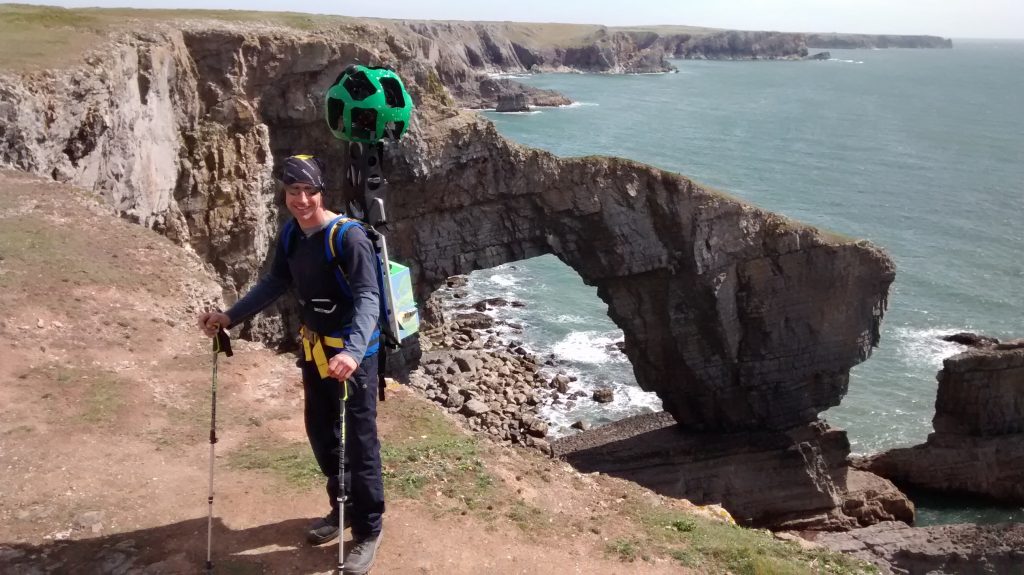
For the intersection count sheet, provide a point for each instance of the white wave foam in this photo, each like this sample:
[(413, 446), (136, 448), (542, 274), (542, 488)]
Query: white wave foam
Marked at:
[(845, 61), (509, 75), (568, 318), (923, 346), (503, 280), (579, 105), (628, 400), (588, 347)]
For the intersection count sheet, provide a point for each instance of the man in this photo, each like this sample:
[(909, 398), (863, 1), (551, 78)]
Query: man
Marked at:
[(340, 337)]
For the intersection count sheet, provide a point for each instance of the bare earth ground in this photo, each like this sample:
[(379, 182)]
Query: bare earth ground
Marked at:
[(104, 432), (104, 450)]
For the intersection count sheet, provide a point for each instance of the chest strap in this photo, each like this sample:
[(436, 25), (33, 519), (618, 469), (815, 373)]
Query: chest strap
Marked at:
[(313, 346)]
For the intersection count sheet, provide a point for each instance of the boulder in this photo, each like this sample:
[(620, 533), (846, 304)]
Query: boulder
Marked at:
[(475, 320), (513, 103), (978, 444), (561, 383)]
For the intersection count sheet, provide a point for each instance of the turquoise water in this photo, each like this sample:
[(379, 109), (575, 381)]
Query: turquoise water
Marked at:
[(919, 151)]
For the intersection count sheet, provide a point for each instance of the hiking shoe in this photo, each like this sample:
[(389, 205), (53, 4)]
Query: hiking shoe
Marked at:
[(326, 528), (360, 557)]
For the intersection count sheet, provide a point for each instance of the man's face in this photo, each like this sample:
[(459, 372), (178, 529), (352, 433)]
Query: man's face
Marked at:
[(305, 202)]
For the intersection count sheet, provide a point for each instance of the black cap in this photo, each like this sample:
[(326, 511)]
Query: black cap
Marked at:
[(303, 169)]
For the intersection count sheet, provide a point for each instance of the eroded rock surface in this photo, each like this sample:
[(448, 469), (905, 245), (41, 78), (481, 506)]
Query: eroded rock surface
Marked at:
[(940, 550), (793, 479), (978, 444)]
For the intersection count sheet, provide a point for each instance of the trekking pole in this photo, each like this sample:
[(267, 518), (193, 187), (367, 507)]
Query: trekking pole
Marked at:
[(341, 482), (221, 344)]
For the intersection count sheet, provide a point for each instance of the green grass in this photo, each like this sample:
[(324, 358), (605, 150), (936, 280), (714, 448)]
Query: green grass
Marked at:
[(43, 36), (627, 550), (428, 454), (530, 519), (714, 547), (292, 463), (99, 396), (104, 399), (32, 249)]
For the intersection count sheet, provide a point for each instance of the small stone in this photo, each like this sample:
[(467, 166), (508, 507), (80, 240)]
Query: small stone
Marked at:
[(475, 407), (89, 520)]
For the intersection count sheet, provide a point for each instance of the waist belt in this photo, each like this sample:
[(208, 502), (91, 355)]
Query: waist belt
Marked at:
[(313, 346)]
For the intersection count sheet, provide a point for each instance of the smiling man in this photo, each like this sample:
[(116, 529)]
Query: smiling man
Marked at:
[(330, 264)]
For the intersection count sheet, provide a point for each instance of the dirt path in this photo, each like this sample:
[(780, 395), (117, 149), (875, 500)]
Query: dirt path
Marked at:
[(103, 437)]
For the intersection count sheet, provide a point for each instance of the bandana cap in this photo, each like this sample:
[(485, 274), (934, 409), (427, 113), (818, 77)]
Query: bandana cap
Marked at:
[(303, 169)]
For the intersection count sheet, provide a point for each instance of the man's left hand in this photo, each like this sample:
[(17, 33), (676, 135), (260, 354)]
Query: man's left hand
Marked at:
[(341, 366)]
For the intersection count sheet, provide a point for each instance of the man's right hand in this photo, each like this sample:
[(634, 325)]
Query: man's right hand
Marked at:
[(212, 321)]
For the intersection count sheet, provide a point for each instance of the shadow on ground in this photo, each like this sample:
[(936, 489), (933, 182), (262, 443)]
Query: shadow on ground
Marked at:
[(179, 548)]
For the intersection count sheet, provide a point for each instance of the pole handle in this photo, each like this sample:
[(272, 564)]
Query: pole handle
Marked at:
[(222, 343)]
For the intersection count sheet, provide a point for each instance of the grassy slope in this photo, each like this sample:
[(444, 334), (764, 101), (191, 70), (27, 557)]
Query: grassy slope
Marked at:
[(42, 36)]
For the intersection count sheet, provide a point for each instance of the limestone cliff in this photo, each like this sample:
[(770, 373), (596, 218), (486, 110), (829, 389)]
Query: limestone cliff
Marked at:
[(858, 41), (977, 446), (741, 320), (736, 45), (793, 479)]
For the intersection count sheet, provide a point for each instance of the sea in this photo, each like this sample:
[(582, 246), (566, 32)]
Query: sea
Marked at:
[(919, 151)]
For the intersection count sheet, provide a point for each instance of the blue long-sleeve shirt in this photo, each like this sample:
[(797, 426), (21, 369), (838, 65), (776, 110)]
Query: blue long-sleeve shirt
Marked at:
[(306, 270)]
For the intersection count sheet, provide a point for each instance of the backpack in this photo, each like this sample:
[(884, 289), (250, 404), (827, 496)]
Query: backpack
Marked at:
[(334, 232)]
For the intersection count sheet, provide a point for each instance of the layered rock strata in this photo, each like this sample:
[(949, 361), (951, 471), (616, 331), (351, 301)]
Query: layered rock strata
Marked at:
[(861, 41), (742, 321), (978, 444), (794, 479), (940, 550)]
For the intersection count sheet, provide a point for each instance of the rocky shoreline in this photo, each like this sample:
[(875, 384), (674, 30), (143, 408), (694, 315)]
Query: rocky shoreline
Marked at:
[(977, 447), (465, 53), (492, 385)]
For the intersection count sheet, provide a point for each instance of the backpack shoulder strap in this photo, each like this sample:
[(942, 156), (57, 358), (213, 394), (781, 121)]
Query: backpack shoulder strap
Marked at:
[(288, 236), (334, 249), (334, 238)]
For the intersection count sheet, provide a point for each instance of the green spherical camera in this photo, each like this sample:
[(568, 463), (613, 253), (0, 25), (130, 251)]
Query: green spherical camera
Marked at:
[(368, 104)]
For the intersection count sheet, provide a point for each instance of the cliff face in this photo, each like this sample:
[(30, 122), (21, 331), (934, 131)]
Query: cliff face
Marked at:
[(791, 480), (976, 448), (741, 321), (738, 318), (737, 45), (855, 41), (507, 47)]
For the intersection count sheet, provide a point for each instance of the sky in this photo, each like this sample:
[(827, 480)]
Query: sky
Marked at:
[(948, 18)]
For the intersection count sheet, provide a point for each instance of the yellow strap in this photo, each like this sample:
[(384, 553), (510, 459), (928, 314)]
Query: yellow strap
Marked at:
[(313, 347)]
